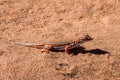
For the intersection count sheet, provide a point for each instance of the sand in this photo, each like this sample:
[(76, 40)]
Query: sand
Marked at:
[(36, 21)]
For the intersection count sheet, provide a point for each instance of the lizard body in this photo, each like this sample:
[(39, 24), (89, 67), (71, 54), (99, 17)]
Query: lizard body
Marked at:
[(57, 46)]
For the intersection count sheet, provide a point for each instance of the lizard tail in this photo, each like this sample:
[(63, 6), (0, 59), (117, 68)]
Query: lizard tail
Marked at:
[(28, 45), (38, 46)]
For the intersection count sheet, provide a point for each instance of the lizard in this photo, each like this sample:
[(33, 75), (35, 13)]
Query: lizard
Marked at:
[(66, 46)]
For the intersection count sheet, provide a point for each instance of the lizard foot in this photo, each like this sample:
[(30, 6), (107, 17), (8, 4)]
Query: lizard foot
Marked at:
[(47, 48)]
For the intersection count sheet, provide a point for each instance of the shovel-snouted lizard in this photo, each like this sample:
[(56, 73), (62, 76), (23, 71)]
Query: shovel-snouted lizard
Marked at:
[(57, 46)]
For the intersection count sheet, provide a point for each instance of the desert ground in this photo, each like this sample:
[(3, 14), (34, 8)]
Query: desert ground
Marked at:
[(36, 21)]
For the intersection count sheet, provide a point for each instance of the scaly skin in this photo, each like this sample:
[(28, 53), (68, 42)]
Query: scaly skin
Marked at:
[(57, 46)]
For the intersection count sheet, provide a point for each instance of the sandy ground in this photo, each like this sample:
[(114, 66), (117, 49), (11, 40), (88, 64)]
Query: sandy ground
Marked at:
[(35, 21)]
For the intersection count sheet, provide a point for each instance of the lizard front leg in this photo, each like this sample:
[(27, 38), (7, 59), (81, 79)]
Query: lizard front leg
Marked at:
[(67, 49), (47, 48)]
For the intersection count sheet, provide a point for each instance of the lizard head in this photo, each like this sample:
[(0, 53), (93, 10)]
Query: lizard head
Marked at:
[(83, 39), (88, 38)]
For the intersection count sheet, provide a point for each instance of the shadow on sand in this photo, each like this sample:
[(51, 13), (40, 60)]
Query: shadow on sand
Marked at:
[(82, 50)]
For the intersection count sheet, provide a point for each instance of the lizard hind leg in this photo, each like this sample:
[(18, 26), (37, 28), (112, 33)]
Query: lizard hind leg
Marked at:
[(47, 48)]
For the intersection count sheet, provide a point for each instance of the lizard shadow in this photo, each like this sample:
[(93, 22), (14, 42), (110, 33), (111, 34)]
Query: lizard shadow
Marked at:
[(82, 50)]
